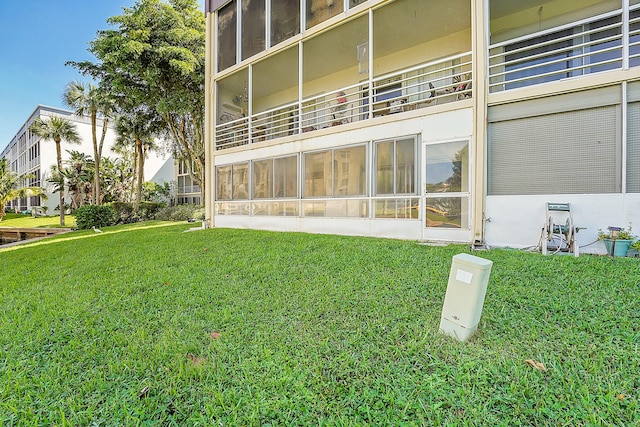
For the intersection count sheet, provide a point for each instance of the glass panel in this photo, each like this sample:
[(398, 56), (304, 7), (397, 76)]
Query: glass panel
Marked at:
[(286, 177), (253, 27), (240, 182), (447, 212), (350, 178), (510, 19), (227, 25), (275, 81), (408, 208), (317, 174), (613, 57), (385, 208), (285, 20), (290, 209), (331, 60), (397, 208), (263, 179), (223, 181), (275, 208), (232, 208), (315, 208), (384, 167), (447, 167), (520, 66), (354, 3), (405, 168), (321, 10), (411, 32), (261, 208), (233, 97), (346, 208)]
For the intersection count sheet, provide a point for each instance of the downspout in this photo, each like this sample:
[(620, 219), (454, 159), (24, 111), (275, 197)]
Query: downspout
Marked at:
[(479, 49), (209, 102)]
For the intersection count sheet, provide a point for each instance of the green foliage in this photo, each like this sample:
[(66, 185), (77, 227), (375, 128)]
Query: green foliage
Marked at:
[(154, 192), (623, 234), (10, 186), (116, 329), (181, 213), (89, 216), (161, 45), (126, 214)]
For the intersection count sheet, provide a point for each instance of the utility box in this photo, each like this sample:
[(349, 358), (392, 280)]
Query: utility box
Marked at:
[(464, 299)]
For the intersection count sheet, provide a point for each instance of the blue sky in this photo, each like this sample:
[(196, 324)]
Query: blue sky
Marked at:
[(39, 36)]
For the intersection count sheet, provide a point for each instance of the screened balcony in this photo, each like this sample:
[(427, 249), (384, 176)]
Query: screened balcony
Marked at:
[(559, 40), (419, 57)]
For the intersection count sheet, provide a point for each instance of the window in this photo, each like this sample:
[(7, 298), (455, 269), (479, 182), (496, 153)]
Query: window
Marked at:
[(320, 10), (275, 179), (538, 56), (240, 181), (286, 177), (223, 181), (395, 167), (227, 26), (253, 27), (317, 174), (263, 179), (340, 172), (285, 20)]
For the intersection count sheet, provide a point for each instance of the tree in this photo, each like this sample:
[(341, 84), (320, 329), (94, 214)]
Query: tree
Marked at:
[(137, 130), (155, 58), (78, 176), (10, 186), (89, 100), (56, 129)]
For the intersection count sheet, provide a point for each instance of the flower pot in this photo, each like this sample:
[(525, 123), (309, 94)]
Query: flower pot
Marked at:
[(621, 248)]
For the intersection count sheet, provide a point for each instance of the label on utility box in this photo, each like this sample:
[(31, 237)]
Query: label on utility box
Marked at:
[(464, 276)]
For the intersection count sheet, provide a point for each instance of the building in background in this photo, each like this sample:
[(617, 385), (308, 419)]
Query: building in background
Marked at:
[(448, 121), (28, 154)]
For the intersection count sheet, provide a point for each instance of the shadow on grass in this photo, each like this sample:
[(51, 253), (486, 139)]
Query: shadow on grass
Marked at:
[(85, 234)]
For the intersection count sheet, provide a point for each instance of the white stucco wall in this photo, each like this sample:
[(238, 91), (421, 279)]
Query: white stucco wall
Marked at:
[(517, 221)]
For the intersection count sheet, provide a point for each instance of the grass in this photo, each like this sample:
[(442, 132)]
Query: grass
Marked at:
[(27, 221), (116, 329)]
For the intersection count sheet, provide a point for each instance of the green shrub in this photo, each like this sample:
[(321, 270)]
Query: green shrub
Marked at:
[(88, 216), (181, 213), (126, 215)]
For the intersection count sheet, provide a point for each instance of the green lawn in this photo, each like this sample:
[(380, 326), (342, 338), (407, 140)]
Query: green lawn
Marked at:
[(27, 221), (146, 325)]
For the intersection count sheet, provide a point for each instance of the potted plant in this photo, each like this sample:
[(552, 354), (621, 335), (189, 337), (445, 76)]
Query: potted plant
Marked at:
[(635, 248), (617, 240)]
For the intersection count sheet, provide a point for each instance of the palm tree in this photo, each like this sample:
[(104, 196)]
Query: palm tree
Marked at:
[(56, 129), (9, 183), (89, 100), (137, 129)]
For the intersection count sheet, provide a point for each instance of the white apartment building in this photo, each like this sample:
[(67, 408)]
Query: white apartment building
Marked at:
[(450, 121), (26, 153)]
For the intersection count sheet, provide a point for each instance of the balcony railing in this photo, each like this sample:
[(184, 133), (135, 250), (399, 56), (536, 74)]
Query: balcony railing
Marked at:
[(189, 189), (579, 48), (424, 85)]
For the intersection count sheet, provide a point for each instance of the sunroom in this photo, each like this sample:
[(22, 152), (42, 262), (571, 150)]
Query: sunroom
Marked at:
[(304, 72)]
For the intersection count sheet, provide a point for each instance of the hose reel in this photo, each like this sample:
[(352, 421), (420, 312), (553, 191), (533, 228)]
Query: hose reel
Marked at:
[(558, 236)]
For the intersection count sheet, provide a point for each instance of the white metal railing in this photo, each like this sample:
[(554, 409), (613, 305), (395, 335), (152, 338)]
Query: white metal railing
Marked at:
[(432, 83), (575, 49)]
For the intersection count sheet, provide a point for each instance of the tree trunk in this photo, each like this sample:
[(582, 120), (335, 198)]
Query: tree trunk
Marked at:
[(139, 174), (59, 159), (96, 158)]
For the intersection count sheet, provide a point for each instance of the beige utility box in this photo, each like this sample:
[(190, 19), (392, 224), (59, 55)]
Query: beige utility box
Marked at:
[(464, 299)]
